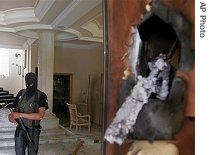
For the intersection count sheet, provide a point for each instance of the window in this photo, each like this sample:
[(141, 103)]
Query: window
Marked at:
[(4, 62)]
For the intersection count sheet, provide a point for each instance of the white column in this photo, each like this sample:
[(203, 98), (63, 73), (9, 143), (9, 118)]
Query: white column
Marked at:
[(45, 74)]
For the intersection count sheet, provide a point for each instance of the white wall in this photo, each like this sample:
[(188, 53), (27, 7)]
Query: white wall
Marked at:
[(14, 82), (81, 63)]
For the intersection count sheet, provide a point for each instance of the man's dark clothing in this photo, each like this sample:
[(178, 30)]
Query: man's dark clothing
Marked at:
[(42, 99), (28, 102), (21, 142)]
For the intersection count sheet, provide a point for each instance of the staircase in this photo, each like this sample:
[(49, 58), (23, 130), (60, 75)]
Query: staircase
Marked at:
[(49, 136), (5, 96), (55, 136)]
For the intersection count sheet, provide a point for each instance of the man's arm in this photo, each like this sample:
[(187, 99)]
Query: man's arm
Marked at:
[(15, 105), (43, 106), (33, 116)]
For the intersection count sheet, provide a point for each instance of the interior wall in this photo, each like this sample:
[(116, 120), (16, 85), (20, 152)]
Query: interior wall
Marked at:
[(34, 56), (81, 63), (13, 83)]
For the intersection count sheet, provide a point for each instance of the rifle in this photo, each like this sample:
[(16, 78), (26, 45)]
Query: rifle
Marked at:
[(20, 123)]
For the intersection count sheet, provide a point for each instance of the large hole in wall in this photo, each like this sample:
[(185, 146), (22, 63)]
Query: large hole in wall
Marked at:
[(163, 31), (158, 119), (158, 37)]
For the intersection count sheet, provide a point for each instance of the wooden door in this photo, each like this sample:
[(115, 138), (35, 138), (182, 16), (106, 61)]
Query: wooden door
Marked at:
[(61, 96), (120, 15)]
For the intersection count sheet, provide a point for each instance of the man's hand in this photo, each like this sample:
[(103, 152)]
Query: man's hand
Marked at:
[(12, 116), (32, 116)]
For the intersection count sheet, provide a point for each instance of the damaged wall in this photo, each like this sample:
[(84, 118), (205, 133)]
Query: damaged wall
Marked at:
[(121, 16)]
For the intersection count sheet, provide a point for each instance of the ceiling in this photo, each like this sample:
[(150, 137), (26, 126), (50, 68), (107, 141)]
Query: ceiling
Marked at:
[(76, 23)]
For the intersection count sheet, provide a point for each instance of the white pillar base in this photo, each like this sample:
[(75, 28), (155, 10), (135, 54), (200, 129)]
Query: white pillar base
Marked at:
[(50, 122)]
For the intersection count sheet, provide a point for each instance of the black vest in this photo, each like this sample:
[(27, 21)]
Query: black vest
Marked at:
[(29, 106)]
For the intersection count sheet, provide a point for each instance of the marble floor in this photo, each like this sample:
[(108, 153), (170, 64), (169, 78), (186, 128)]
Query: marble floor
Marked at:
[(64, 144), (90, 143)]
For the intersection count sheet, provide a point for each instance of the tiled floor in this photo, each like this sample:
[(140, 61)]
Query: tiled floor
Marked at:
[(91, 145)]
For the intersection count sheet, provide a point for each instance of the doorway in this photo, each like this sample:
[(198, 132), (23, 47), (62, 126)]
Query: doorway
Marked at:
[(62, 95)]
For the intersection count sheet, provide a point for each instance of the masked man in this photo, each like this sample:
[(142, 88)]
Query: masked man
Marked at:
[(30, 105)]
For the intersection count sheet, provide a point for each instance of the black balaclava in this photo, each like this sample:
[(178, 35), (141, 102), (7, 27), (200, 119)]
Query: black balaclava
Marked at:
[(31, 83)]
